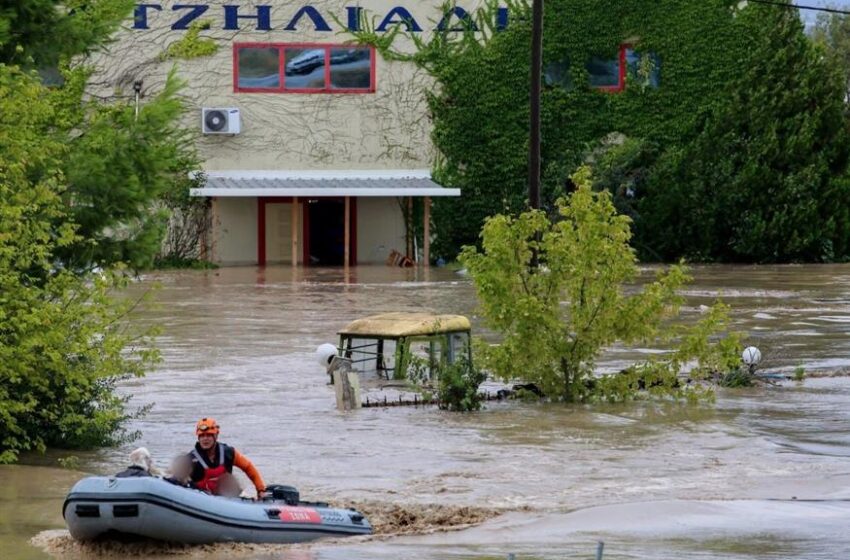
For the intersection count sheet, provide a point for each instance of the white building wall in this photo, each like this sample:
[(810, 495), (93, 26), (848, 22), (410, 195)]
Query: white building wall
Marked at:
[(387, 129)]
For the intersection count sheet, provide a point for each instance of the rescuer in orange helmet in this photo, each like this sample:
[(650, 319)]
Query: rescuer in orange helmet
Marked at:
[(211, 459)]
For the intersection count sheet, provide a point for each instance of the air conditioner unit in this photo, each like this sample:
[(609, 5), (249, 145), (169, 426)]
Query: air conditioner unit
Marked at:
[(220, 120)]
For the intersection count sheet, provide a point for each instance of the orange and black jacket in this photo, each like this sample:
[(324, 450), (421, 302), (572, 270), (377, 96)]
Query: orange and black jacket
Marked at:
[(223, 456)]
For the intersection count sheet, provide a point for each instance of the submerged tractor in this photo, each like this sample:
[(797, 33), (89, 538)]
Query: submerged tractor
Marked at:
[(394, 350)]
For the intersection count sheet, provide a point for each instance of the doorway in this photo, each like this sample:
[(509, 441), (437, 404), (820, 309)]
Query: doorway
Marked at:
[(326, 232)]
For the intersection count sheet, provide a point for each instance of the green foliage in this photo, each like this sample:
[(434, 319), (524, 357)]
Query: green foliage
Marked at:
[(622, 166), (480, 105), (79, 187), (191, 45), (176, 263), (457, 382), (458, 386), (117, 165), (42, 32), (149, 157), (63, 344), (765, 177), (780, 174), (526, 395), (557, 317), (736, 379), (416, 369), (832, 34), (71, 462), (188, 225), (799, 373)]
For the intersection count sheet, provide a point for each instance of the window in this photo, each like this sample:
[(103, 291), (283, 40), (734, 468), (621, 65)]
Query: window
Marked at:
[(644, 68), (259, 68), (296, 68), (607, 74), (351, 68), (638, 68), (304, 68), (558, 74)]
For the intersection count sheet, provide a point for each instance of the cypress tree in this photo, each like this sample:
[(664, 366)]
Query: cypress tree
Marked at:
[(765, 177)]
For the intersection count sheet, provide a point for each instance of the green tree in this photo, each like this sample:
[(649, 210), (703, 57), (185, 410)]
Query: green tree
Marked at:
[(622, 166), (79, 186), (555, 319), (458, 386), (40, 33), (765, 177), (121, 164), (832, 32), (119, 168), (189, 224), (63, 345)]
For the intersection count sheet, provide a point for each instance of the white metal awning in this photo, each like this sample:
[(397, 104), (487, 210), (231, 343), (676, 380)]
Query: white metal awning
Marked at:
[(414, 182)]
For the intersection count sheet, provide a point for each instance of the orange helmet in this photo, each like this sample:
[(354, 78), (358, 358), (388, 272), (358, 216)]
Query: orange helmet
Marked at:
[(206, 426)]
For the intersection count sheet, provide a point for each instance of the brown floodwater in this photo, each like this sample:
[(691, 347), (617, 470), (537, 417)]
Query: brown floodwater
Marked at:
[(761, 473)]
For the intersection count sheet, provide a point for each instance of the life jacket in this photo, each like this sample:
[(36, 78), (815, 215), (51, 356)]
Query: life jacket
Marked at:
[(211, 474)]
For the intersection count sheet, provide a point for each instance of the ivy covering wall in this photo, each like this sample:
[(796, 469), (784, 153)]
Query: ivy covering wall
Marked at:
[(701, 50)]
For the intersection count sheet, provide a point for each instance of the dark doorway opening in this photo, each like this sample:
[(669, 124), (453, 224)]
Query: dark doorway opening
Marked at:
[(327, 232)]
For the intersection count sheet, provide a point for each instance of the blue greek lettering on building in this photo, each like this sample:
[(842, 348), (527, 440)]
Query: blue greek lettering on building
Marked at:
[(235, 17)]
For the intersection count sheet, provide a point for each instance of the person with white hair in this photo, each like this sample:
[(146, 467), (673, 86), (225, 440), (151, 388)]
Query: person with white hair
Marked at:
[(141, 464)]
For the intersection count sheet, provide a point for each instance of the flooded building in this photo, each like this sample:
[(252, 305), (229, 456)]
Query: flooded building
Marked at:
[(312, 149)]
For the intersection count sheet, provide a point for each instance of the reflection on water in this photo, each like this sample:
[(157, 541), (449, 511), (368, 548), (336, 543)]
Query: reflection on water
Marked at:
[(238, 345)]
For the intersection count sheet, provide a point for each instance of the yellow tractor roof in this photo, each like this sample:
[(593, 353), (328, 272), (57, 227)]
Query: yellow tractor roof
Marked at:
[(393, 325)]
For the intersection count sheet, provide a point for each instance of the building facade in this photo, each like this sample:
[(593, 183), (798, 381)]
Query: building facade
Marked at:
[(312, 147)]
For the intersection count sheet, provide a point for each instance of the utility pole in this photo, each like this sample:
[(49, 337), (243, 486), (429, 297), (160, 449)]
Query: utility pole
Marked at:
[(536, 78)]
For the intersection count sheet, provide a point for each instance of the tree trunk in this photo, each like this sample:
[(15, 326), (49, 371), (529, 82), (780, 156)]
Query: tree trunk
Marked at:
[(569, 375)]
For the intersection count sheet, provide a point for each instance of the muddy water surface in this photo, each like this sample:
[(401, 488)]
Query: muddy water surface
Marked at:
[(760, 474)]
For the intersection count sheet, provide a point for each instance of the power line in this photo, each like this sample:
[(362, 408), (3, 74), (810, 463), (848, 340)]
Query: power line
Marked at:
[(799, 7)]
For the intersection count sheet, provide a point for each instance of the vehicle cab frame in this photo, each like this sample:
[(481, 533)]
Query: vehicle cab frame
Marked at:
[(383, 345)]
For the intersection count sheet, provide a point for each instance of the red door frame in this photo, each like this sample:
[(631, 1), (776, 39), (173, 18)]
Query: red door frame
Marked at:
[(262, 201)]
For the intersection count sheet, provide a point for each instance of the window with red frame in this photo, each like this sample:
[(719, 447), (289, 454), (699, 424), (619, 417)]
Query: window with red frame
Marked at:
[(641, 68), (299, 68)]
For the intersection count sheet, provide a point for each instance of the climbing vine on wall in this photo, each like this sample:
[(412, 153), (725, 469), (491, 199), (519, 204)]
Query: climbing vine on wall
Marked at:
[(693, 49), (192, 45)]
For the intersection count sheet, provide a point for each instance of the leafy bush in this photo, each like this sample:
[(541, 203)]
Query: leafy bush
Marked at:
[(556, 317), (457, 383), (458, 386)]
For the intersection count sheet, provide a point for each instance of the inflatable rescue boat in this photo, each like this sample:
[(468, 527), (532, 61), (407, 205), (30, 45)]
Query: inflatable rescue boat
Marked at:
[(150, 507)]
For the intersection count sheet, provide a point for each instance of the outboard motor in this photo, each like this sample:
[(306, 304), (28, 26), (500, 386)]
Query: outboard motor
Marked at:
[(289, 494)]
